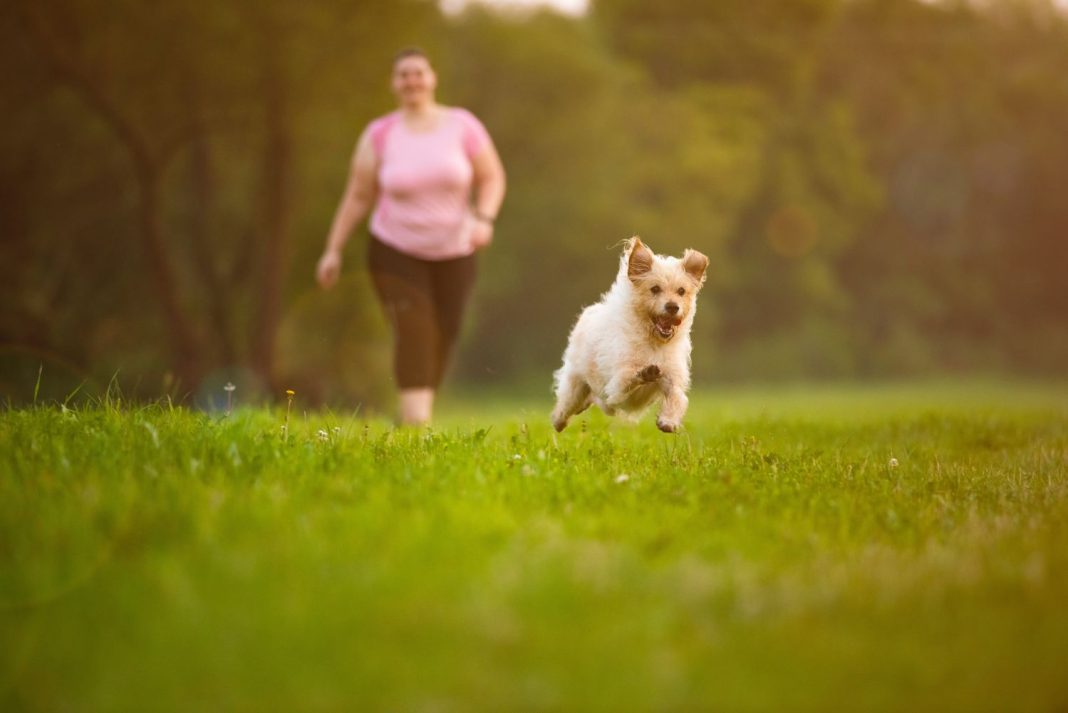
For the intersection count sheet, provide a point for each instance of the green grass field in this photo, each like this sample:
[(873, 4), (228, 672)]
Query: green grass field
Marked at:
[(852, 548)]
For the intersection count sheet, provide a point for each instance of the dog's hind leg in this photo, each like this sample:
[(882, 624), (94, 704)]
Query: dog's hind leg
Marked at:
[(572, 397)]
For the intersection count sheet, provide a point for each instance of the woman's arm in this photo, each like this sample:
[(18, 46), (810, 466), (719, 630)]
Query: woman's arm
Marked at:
[(489, 186), (356, 203)]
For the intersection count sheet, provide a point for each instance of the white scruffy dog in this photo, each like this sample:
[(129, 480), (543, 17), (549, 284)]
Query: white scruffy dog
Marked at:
[(633, 346)]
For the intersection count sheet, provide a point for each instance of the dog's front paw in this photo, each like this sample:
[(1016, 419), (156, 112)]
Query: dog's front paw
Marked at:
[(649, 374), (667, 426)]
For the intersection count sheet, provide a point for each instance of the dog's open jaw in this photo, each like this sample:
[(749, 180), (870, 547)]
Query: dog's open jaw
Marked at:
[(664, 326)]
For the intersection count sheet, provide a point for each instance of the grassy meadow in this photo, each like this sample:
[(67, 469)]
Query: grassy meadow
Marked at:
[(897, 547)]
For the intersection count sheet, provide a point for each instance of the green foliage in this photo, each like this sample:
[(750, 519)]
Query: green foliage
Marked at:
[(228, 129), (555, 105), (726, 42), (940, 98), (337, 338), (872, 179), (896, 547)]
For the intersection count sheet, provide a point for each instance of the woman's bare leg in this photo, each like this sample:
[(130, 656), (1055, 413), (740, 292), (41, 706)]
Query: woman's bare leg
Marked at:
[(416, 406)]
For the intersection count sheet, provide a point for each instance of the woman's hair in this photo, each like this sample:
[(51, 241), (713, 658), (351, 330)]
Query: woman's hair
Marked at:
[(409, 52)]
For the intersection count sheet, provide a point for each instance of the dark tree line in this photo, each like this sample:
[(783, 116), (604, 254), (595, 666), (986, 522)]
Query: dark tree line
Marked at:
[(876, 181)]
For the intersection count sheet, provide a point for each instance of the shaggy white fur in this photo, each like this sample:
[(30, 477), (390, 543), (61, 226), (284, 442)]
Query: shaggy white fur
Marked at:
[(633, 347)]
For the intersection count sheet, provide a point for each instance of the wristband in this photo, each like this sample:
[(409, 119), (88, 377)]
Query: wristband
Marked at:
[(481, 217)]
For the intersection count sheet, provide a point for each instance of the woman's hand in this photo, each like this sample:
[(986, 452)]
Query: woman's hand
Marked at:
[(481, 233), (329, 269)]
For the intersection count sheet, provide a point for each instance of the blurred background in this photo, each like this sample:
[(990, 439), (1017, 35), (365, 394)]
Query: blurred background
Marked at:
[(882, 186)]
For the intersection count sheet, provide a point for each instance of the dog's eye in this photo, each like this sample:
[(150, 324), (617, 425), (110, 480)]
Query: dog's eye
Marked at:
[(656, 289), (681, 291)]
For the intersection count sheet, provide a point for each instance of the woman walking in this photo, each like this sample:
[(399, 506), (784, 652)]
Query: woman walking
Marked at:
[(431, 178)]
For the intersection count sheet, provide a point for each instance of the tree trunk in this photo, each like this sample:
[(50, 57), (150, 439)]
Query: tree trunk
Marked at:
[(148, 170), (184, 343), (275, 195), (208, 262)]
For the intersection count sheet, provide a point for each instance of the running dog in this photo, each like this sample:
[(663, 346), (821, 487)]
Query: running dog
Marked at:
[(633, 347)]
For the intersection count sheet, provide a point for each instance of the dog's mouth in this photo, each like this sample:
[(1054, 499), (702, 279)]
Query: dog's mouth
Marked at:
[(664, 326)]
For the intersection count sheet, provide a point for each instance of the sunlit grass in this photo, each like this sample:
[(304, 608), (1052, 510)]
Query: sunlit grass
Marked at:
[(772, 556)]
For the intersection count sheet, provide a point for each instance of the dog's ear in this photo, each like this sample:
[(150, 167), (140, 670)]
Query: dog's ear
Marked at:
[(640, 260), (695, 264)]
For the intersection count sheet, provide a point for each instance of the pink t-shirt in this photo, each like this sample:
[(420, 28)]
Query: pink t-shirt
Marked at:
[(424, 184)]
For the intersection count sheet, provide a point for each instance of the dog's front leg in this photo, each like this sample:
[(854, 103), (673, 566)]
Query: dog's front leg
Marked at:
[(619, 389), (674, 408)]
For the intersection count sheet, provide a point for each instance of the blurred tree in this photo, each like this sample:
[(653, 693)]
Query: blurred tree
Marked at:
[(555, 106), (183, 94), (812, 189), (769, 44), (875, 181), (68, 49), (959, 107)]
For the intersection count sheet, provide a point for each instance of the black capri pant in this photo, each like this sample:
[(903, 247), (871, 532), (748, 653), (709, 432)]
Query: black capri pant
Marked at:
[(424, 302)]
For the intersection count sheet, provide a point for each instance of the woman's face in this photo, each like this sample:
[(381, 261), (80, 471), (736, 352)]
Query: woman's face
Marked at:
[(414, 81)]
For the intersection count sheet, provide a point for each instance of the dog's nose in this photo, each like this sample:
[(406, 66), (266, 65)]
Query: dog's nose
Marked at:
[(671, 308)]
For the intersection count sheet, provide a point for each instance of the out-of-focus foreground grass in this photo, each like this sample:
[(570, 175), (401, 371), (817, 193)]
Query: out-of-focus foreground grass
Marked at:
[(858, 547)]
